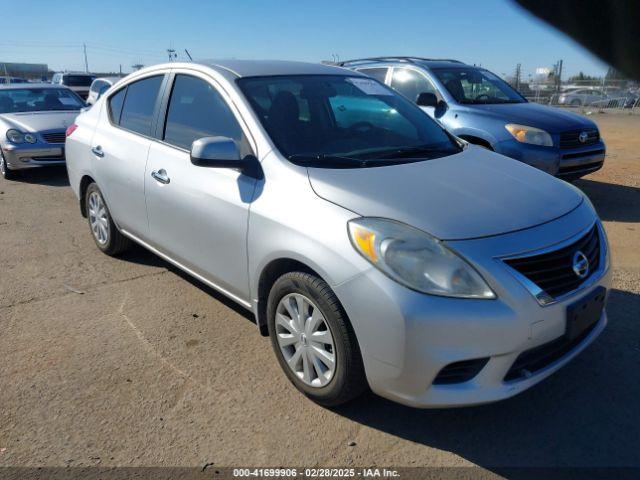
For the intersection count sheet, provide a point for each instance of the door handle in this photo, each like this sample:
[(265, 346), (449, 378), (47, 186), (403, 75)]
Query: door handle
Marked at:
[(97, 151), (161, 176)]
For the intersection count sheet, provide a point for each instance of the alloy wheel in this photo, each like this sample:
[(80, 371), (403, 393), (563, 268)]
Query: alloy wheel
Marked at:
[(305, 340)]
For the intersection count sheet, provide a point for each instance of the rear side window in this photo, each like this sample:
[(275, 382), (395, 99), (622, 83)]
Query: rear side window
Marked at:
[(377, 73), (115, 106), (139, 105), (197, 110)]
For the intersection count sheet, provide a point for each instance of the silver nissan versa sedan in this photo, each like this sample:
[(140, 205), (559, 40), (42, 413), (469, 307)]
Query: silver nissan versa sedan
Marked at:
[(372, 246)]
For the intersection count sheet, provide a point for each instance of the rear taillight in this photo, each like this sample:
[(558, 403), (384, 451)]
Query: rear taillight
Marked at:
[(71, 129)]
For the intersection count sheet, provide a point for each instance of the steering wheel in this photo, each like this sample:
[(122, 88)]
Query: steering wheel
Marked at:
[(486, 95), (361, 127)]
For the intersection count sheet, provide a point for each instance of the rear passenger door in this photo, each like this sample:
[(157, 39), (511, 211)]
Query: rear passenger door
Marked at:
[(198, 215), (120, 148)]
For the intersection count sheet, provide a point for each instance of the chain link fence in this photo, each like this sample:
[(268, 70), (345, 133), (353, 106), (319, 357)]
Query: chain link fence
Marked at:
[(585, 94)]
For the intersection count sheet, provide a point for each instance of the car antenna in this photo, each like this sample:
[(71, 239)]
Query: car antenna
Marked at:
[(188, 54)]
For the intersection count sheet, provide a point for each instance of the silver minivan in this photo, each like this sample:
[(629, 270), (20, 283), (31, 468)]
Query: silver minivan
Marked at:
[(374, 248)]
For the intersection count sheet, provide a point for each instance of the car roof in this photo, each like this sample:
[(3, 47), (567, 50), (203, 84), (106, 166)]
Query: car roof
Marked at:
[(234, 69), (111, 80), (22, 86), (84, 74)]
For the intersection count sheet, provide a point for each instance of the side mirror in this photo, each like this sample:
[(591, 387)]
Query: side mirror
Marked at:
[(426, 99), (216, 152), (441, 109)]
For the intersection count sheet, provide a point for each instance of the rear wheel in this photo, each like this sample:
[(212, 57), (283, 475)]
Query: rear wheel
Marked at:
[(104, 231), (313, 339), (4, 169)]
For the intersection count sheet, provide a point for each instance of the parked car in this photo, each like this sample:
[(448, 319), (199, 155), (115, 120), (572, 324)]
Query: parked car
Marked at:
[(479, 107), (98, 87), (33, 120), (77, 81), (8, 80), (581, 97), (374, 247)]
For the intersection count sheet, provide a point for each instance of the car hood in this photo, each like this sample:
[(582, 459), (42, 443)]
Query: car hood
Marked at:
[(475, 193), (551, 119), (40, 121)]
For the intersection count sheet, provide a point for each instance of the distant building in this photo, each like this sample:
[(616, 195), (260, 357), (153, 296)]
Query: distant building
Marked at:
[(31, 71)]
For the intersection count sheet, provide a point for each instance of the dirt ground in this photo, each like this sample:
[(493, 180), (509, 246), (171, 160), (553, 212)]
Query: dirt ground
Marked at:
[(129, 362)]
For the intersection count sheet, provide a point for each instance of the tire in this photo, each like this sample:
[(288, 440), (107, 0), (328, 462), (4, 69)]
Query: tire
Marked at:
[(105, 234), (347, 380), (4, 169)]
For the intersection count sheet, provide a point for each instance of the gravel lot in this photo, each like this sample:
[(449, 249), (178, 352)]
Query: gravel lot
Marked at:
[(129, 362)]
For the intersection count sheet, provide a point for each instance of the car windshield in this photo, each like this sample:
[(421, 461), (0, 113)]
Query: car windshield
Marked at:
[(340, 121), (476, 86), (38, 100)]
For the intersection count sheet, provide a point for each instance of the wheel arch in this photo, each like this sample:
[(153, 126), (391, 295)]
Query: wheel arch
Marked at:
[(477, 141), (268, 275), (84, 184)]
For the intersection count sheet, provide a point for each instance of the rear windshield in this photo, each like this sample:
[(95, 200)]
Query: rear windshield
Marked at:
[(77, 80), (38, 100)]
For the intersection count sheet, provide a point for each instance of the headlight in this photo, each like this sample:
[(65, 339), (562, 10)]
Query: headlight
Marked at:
[(15, 136), (416, 259), (531, 135)]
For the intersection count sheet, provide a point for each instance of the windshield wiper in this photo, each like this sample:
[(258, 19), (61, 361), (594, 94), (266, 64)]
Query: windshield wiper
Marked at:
[(410, 152), (335, 161)]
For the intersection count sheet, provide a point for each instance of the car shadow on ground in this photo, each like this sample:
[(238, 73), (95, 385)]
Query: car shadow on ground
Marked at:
[(54, 176), (618, 203), (140, 255), (584, 415)]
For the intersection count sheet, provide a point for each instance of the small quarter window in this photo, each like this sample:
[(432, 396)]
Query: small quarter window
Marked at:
[(115, 106)]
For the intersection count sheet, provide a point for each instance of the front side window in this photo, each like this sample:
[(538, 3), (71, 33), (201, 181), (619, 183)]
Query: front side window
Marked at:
[(410, 83), (476, 86), (378, 73), (38, 100), (349, 120), (139, 105), (197, 110)]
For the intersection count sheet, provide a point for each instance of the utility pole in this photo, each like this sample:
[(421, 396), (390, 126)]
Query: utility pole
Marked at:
[(172, 54), (120, 69), (559, 76), (86, 62)]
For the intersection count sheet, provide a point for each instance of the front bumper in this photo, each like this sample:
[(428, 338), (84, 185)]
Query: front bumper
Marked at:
[(407, 338), (25, 155), (569, 163)]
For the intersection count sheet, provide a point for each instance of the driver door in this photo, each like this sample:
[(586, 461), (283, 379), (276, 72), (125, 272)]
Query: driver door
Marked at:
[(198, 215)]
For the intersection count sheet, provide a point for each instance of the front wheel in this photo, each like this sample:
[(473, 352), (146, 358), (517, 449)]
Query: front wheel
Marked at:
[(313, 339), (4, 169), (104, 231)]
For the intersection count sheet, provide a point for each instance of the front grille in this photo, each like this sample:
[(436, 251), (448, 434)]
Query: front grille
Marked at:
[(459, 372), (533, 360), (572, 139), (553, 271), (54, 137)]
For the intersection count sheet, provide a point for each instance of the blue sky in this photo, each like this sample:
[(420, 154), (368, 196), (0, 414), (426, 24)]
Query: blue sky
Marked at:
[(494, 33)]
